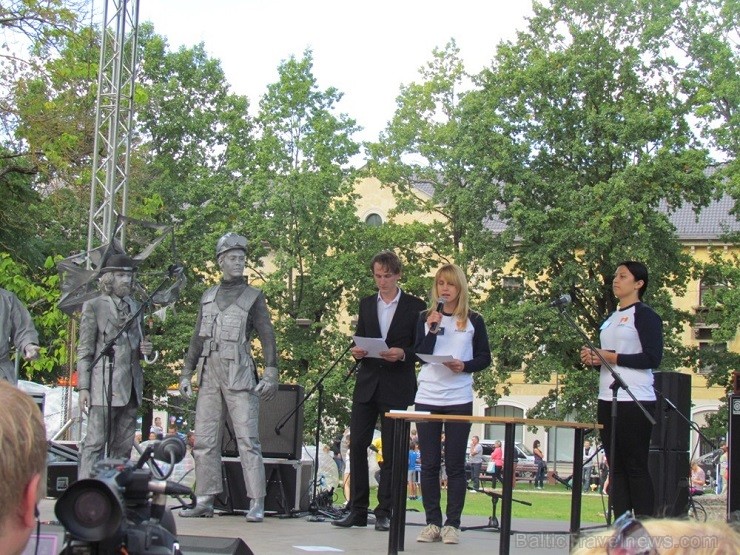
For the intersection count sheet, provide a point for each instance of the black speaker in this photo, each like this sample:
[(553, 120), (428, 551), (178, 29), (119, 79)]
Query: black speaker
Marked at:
[(52, 536), (287, 486), (671, 430), (670, 474), (288, 444), (733, 460), (59, 476)]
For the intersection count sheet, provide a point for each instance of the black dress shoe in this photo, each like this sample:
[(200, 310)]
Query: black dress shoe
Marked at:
[(382, 523), (354, 518)]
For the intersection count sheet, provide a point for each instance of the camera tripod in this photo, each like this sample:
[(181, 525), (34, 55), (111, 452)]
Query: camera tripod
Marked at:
[(492, 520)]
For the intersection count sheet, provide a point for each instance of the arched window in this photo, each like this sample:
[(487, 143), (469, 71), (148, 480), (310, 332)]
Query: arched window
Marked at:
[(374, 220), (496, 431)]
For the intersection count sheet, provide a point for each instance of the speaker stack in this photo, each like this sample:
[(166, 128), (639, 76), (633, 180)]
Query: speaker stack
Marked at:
[(288, 477), (286, 445), (669, 444)]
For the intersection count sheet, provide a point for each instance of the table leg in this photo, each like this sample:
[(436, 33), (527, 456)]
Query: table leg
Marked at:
[(401, 430), (506, 487), (577, 486)]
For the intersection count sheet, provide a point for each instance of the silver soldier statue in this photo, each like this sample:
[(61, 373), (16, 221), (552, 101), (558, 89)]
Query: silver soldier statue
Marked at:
[(227, 377), (102, 318), (16, 326)]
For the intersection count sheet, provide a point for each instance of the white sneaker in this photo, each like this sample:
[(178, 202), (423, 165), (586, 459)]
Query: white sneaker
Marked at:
[(472, 491), (430, 533), (450, 534)]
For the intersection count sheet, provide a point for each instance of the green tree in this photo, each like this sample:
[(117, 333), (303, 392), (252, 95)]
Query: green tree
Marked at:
[(554, 169), (421, 150), (589, 139), (300, 218)]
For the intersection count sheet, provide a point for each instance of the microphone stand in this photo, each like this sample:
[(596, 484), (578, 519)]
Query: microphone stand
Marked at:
[(318, 386), (615, 386), (108, 350)]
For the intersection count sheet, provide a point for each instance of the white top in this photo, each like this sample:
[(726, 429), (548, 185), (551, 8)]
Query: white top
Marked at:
[(619, 334), (438, 385)]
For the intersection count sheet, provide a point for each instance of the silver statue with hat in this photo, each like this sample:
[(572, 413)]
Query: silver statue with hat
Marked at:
[(220, 355), (110, 379)]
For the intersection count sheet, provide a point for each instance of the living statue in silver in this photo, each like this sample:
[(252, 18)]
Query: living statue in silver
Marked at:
[(227, 377), (102, 319), (16, 326)]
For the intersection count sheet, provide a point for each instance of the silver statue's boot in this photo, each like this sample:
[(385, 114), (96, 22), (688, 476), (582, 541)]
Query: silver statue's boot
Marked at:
[(256, 510), (203, 508)]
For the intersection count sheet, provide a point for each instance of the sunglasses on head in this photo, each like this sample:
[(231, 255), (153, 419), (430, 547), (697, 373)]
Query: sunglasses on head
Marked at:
[(630, 538)]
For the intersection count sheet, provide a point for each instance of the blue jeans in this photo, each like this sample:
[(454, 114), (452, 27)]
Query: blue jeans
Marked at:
[(539, 480)]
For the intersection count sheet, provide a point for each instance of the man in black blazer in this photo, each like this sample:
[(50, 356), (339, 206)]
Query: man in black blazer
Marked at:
[(382, 384)]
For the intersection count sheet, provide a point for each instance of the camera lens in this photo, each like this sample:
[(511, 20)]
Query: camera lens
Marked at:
[(92, 508)]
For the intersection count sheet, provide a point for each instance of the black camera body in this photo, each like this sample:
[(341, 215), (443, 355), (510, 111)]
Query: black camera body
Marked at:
[(122, 509)]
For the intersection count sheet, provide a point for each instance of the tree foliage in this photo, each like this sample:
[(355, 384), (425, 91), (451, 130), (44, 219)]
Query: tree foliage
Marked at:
[(565, 149)]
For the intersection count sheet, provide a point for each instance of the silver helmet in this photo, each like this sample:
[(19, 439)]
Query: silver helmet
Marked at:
[(229, 242)]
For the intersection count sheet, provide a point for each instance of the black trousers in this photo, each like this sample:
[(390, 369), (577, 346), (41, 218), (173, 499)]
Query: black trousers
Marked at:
[(630, 485), (361, 428), (456, 447)]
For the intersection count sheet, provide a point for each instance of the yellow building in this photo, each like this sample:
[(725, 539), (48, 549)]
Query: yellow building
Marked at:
[(699, 235)]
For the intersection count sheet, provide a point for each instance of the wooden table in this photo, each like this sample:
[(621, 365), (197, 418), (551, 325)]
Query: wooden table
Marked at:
[(401, 430)]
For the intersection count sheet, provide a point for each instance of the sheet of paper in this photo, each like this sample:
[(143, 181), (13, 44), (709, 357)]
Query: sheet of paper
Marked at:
[(373, 345), (435, 358)]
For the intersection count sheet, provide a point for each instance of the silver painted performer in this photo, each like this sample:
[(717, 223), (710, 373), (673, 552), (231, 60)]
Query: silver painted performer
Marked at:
[(16, 326), (102, 318), (227, 377)]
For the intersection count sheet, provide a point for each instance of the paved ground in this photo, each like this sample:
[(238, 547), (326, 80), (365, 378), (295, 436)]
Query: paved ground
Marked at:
[(300, 535)]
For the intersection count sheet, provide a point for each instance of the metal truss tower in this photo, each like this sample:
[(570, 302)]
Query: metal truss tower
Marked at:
[(114, 112)]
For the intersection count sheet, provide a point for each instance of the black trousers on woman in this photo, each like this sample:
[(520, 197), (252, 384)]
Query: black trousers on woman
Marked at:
[(630, 485), (456, 447)]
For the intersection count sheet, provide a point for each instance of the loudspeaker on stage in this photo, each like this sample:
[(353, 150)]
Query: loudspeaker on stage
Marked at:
[(287, 486), (51, 540), (671, 430), (670, 472), (286, 445)]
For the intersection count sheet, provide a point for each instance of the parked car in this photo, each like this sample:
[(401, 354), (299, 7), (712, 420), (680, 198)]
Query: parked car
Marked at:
[(525, 467)]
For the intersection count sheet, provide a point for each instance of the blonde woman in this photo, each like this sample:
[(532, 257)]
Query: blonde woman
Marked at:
[(447, 388)]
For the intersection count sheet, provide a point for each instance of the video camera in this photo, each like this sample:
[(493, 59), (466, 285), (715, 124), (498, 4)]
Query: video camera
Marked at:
[(122, 509)]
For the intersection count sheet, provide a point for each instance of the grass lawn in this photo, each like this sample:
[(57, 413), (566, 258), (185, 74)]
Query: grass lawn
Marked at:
[(552, 503)]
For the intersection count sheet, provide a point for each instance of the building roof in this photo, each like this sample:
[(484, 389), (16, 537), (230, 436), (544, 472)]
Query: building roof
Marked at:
[(711, 222)]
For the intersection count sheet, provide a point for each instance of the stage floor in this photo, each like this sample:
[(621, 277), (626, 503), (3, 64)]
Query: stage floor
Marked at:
[(298, 535)]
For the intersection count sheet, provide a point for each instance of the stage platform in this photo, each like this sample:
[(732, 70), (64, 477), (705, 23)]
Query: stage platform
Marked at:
[(296, 535)]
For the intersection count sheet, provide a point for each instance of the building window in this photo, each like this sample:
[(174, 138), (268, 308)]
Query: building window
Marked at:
[(707, 350), (374, 220), (496, 431), (512, 282)]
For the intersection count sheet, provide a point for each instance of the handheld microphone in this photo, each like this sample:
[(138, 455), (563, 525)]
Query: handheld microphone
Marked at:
[(440, 306), (562, 300)]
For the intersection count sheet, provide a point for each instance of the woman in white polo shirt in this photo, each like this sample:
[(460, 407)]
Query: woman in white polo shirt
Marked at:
[(447, 388), (632, 344)]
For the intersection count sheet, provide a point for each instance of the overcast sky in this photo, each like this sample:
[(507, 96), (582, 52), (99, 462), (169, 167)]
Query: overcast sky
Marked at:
[(364, 49)]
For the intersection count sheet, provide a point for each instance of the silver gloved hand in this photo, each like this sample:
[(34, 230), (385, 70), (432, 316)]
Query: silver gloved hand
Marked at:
[(268, 386), (186, 389)]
